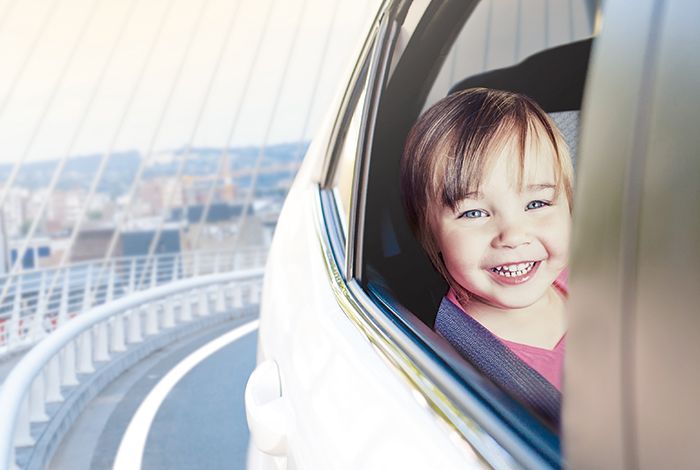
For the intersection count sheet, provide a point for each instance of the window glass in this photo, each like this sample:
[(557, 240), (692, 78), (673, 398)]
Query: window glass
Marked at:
[(345, 166)]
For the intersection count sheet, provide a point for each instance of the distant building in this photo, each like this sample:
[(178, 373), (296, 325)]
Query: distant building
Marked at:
[(92, 243), (218, 212), (37, 254), (133, 241), (137, 242), (15, 211)]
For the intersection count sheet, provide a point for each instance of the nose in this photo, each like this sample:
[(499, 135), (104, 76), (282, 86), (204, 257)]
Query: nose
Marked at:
[(512, 232)]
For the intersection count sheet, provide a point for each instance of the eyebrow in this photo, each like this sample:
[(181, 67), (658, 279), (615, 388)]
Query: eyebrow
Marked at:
[(529, 188), (540, 187), (474, 195)]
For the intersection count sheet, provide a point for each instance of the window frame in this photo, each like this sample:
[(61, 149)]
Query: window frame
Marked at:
[(330, 208)]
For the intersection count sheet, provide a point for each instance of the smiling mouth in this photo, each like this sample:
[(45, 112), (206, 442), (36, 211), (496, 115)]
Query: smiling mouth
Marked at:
[(516, 273), (514, 270)]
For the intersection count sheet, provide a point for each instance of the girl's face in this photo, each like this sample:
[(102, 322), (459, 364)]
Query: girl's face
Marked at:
[(506, 245)]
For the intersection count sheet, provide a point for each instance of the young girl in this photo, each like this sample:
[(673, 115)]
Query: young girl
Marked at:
[(487, 185)]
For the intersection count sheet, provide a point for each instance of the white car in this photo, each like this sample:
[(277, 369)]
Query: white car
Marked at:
[(351, 374)]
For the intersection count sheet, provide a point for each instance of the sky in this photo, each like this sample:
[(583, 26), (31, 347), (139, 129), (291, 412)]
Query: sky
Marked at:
[(71, 66)]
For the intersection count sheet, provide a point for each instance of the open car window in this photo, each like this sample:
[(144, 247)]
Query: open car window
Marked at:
[(423, 51), (533, 49)]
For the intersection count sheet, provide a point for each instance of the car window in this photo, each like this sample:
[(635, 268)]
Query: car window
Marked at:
[(539, 49), (441, 55)]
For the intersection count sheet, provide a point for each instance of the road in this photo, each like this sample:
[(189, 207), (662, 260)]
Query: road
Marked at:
[(200, 422)]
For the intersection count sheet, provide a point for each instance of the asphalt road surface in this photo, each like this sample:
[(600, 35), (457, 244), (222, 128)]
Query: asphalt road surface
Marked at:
[(199, 425)]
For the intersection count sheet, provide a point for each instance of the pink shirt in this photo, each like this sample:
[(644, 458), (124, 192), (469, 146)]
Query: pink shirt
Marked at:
[(549, 363)]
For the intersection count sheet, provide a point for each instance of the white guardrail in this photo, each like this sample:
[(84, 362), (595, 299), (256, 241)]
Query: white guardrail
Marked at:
[(36, 302), (71, 349)]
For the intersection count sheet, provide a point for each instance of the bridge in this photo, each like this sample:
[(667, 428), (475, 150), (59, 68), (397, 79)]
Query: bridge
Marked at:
[(146, 159)]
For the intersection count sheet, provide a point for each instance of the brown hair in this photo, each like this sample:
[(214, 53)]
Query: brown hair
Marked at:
[(450, 147)]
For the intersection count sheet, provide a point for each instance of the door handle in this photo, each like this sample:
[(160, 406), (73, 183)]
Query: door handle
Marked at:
[(265, 409)]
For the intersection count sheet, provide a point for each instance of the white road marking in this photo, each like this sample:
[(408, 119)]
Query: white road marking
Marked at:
[(130, 453)]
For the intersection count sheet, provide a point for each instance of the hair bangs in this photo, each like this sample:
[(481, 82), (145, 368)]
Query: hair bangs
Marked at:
[(515, 126), (475, 153)]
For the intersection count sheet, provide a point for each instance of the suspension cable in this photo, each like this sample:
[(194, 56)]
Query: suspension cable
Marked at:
[(188, 147), (115, 137), (154, 137), (317, 80), (261, 153), (233, 127), (15, 81), (106, 156), (54, 179), (58, 171)]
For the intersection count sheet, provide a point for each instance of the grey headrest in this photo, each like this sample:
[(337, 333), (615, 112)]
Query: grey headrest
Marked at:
[(567, 122)]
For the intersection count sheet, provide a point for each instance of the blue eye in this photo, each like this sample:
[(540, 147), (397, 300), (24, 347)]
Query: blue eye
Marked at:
[(537, 204), (473, 214)]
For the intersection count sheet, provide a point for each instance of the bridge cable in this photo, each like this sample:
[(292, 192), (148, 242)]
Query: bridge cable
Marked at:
[(106, 156), (10, 181), (317, 80), (261, 153), (190, 142), (232, 129), (74, 138), (147, 157), (57, 172)]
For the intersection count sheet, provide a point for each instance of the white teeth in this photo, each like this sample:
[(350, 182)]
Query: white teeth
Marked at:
[(514, 270)]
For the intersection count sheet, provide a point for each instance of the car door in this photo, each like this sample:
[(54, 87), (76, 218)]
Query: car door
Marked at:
[(632, 381)]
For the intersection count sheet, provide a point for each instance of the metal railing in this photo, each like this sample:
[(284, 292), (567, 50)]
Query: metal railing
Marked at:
[(40, 300), (107, 329)]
